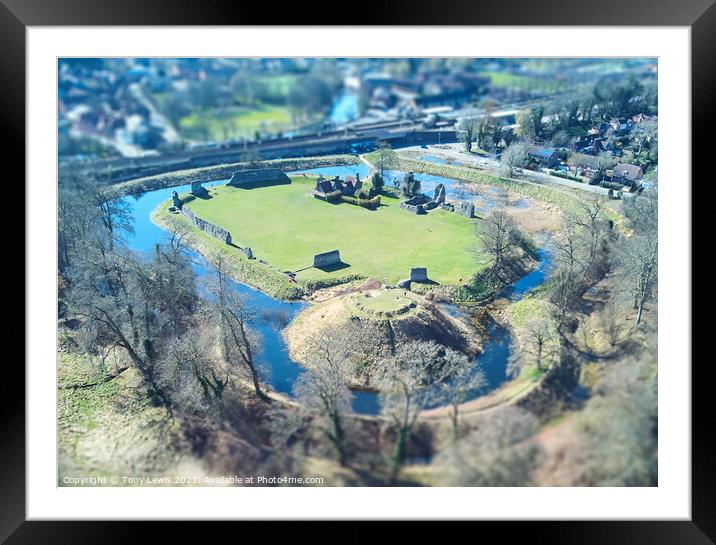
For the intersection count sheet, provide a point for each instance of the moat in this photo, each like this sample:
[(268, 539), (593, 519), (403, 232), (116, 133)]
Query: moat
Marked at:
[(278, 370)]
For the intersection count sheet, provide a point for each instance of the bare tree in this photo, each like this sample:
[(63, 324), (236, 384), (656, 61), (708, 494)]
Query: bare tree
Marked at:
[(497, 233), (386, 158), (593, 233), (611, 320), (323, 389), (540, 333), (238, 341), (120, 301), (76, 220), (496, 453), (468, 133), (643, 211), (617, 428), (114, 213), (193, 373), (514, 157), (403, 394), (564, 295), (637, 257), (455, 380), (567, 246)]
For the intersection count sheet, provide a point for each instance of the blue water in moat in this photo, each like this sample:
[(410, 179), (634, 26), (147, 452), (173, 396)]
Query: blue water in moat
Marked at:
[(342, 171), (440, 160), (484, 198), (272, 315)]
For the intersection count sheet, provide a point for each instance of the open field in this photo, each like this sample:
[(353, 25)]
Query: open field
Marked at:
[(546, 85), (220, 124), (285, 226)]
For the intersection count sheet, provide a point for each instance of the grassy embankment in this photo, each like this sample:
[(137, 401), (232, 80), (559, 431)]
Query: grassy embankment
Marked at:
[(285, 226), (108, 427), (224, 172), (251, 272)]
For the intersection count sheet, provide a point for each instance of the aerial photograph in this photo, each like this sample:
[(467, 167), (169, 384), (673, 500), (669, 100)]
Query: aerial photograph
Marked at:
[(321, 272)]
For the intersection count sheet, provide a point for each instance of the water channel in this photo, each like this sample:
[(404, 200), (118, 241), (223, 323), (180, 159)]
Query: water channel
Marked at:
[(278, 370)]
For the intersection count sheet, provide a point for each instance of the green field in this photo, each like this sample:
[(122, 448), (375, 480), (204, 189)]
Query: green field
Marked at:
[(285, 226), (278, 86), (546, 85), (235, 122)]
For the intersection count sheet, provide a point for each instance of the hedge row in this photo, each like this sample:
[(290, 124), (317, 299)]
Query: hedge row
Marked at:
[(312, 285), (367, 203), (560, 174)]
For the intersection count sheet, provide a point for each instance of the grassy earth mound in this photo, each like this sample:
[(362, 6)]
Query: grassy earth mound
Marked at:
[(375, 322)]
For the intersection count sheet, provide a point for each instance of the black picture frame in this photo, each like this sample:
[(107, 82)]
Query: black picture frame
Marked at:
[(699, 15)]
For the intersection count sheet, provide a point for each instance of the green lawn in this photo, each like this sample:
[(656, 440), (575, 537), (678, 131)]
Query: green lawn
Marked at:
[(279, 86), (547, 85), (234, 122), (285, 225)]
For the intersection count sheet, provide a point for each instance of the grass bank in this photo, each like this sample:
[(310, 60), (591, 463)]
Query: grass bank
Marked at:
[(110, 428), (224, 171), (251, 272)]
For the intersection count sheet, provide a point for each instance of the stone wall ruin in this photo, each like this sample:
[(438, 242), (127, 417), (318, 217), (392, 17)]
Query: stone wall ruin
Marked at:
[(327, 259), (463, 208), (209, 228), (419, 274), (197, 189), (421, 203), (258, 177)]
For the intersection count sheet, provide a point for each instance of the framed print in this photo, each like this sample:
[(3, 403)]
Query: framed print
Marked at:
[(401, 272)]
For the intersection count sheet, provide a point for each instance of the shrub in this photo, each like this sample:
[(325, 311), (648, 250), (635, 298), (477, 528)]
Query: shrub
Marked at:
[(564, 175), (611, 185), (366, 203)]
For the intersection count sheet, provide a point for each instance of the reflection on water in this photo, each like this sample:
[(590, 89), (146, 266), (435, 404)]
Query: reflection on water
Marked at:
[(439, 160)]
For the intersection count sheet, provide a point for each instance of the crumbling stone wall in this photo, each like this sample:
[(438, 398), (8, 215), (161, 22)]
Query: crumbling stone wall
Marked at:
[(418, 274), (258, 177), (421, 203), (197, 189), (327, 259), (463, 208), (439, 195), (176, 201), (208, 227)]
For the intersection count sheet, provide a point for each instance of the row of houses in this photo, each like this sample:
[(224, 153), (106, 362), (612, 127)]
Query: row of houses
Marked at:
[(623, 173)]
